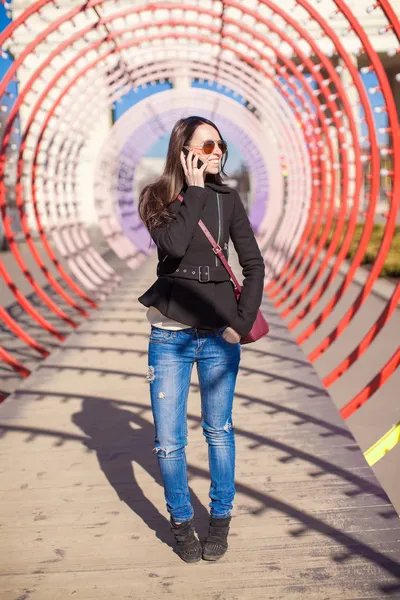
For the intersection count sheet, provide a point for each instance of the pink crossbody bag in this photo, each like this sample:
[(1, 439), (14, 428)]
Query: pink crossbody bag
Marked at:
[(260, 326)]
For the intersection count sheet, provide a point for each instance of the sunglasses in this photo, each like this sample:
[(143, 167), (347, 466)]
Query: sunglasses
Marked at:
[(209, 145)]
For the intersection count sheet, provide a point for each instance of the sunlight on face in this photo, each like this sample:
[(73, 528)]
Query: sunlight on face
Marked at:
[(202, 134)]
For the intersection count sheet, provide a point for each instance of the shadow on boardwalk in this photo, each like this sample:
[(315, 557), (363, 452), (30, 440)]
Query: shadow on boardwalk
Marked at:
[(121, 434), (121, 437), (308, 434)]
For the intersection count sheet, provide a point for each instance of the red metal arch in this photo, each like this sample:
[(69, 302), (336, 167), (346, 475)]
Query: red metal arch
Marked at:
[(290, 285), (50, 114)]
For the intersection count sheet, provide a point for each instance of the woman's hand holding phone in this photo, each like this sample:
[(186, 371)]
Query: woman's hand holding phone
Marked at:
[(194, 173)]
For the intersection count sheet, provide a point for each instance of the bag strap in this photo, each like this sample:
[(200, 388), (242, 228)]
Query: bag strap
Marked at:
[(217, 250)]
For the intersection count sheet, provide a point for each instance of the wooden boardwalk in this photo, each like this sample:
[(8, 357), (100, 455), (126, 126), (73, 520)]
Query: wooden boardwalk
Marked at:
[(82, 506)]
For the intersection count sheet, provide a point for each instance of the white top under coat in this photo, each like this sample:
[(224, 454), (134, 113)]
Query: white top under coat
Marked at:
[(157, 319)]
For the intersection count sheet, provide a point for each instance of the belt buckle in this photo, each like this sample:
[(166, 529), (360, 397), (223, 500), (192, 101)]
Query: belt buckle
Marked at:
[(207, 274)]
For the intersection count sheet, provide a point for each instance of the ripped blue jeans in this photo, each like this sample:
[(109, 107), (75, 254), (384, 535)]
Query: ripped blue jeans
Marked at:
[(172, 355)]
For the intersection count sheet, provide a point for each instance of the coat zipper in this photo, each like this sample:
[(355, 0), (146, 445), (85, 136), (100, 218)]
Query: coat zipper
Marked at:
[(219, 227)]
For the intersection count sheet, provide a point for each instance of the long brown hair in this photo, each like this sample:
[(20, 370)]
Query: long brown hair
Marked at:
[(156, 197)]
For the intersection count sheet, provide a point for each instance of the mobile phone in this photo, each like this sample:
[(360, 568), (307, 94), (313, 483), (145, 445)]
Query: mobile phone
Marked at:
[(200, 163)]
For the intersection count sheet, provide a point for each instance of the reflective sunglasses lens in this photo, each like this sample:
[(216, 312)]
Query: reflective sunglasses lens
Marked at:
[(208, 147)]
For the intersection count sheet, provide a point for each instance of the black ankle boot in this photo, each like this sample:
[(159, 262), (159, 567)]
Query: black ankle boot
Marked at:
[(216, 543), (187, 541)]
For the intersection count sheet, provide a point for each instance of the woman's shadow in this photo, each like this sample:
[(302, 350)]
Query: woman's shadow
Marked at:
[(120, 437)]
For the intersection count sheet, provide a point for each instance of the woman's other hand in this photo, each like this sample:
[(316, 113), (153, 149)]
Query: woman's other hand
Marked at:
[(193, 174), (231, 336)]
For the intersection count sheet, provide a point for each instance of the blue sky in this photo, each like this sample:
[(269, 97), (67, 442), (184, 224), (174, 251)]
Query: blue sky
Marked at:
[(370, 80), (4, 21), (5, 62)]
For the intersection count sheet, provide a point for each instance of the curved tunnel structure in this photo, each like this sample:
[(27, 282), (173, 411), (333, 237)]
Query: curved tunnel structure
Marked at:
[(281, 81)]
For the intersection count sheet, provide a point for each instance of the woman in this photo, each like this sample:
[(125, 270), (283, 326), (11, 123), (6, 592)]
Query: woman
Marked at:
[(195, 318)]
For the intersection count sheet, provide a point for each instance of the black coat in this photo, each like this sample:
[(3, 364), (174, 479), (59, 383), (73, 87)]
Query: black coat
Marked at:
[(183, 246)]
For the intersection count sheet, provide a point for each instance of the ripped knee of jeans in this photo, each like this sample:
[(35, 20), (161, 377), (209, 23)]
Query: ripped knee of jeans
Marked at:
[(228, 425), (150, 377), (160, 451), (164, 451), (211, 431)]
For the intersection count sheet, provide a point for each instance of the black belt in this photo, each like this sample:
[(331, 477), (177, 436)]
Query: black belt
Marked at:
[(202, 273)]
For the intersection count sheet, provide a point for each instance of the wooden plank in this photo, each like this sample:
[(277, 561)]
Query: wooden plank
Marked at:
[(82, 509)]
